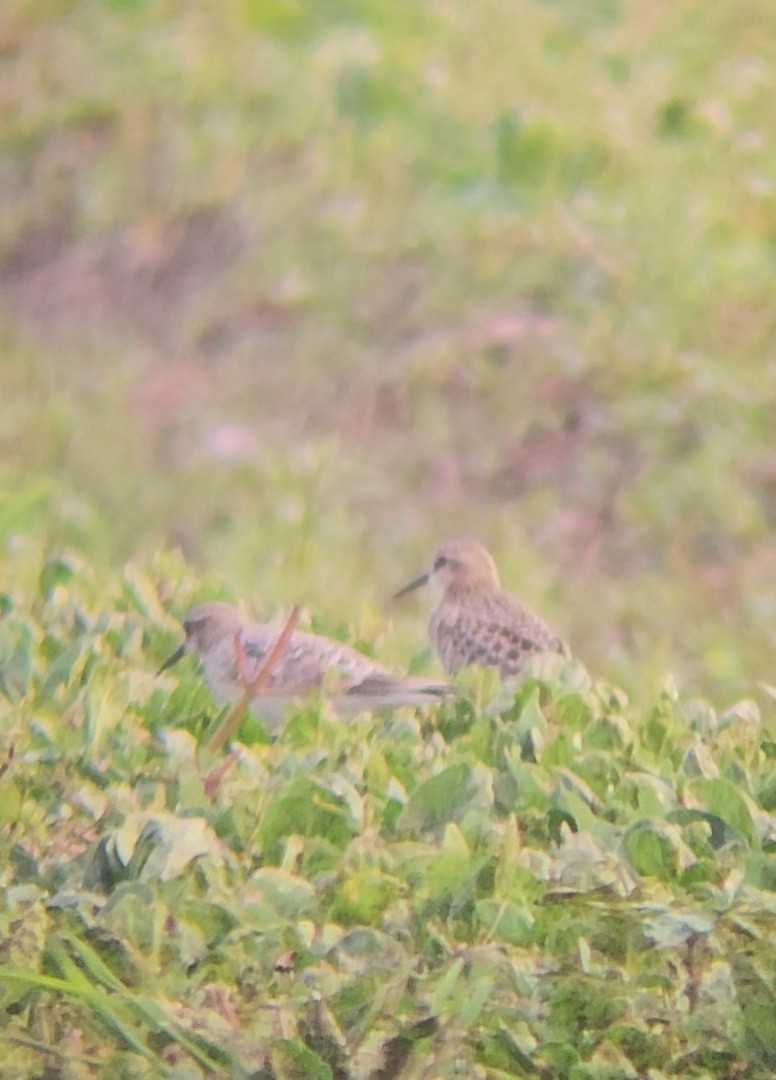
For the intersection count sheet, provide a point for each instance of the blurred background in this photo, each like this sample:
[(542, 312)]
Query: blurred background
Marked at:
[(303, 288)]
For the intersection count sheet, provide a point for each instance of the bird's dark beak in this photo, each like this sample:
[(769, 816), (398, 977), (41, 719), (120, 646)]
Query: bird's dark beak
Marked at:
[(422, 580), (176, 656)]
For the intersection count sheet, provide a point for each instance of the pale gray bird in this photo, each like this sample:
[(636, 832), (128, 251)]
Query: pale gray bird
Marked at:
[(349, 680), (474, 621)]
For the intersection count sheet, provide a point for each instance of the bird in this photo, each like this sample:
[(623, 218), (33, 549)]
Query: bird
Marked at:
[(310, 663), (475, 622)]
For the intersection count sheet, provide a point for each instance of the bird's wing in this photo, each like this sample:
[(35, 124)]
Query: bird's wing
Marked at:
[(257, 639), (312, 662), (344, 667), (309, 661), (492, 630), (356, 681)]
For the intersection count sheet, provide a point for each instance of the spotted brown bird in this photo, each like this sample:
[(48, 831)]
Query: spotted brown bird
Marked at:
[(310, 663), (475, 622)]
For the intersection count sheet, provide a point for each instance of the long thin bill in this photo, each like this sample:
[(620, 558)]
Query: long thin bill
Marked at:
[(422, 580), (176, 656)]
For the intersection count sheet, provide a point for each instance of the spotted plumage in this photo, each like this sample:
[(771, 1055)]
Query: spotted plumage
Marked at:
[(352, 682), (475, 622)]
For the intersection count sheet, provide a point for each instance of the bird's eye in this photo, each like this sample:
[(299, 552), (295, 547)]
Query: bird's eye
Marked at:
[(440, 561)]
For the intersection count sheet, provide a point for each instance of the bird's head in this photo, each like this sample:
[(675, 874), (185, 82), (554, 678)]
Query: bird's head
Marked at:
[(458, 564), (204, 625)]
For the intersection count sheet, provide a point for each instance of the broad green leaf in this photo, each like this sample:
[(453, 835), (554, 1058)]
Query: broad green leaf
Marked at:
[(505, 921), (756, 992), (56, 572), (363, 896), (311, 1064), (305, 808), (655, 795), (571, 781), (453, 869), (574, 711), (501, 1050), (722, 798), (719, 832), (534, 784), (363, 950), (439, 799), (607, 1062), (669, 928), (654, 849), (607, 733), (444, 988), (212, 919), (289, 895), (161, 846), (698, 760), (476, 998)]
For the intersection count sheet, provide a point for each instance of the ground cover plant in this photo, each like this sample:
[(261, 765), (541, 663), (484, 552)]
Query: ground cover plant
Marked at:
[(290, 293), (280, 278), (552, 883)]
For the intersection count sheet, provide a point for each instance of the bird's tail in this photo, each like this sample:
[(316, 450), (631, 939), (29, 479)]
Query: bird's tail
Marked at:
[(426, 688), (390, 691)]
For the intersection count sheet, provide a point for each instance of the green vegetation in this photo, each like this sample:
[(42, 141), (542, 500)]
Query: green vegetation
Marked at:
[(289, 292), (558, 885), (300, 287)]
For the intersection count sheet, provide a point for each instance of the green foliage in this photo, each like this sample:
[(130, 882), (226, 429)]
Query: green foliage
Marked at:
[(300, 288), (564, 885), (281, 278)]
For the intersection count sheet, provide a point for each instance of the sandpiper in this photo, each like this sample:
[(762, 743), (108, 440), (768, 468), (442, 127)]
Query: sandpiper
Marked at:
[(311, 663), (475, 622)]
